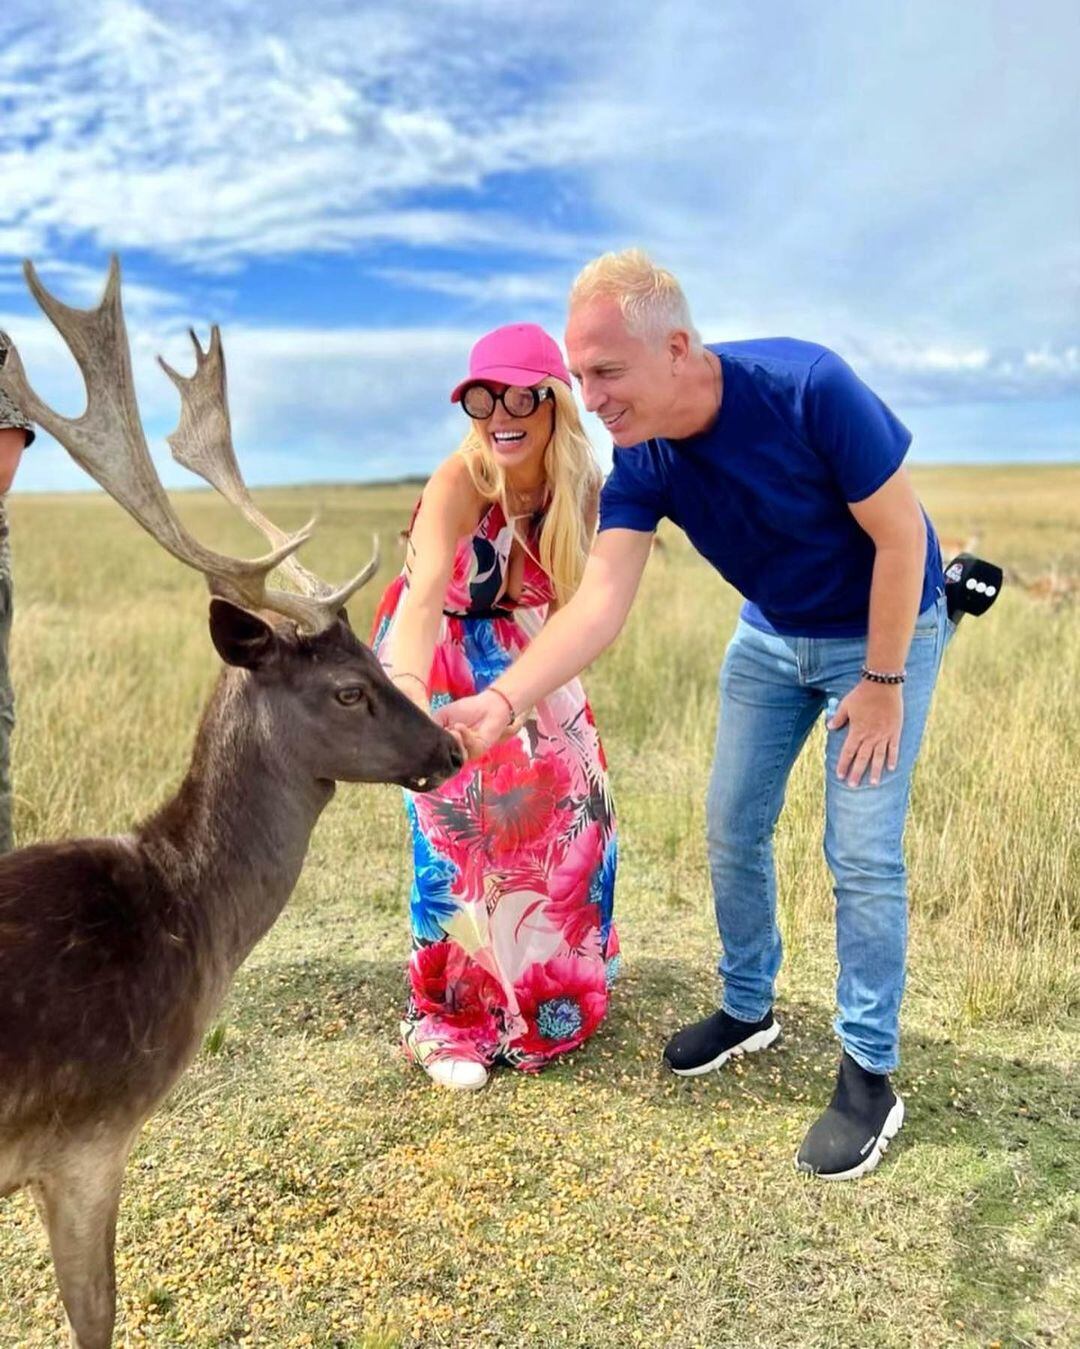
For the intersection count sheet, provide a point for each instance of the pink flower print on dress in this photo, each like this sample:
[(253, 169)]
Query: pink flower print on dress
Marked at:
[(561, 1002)]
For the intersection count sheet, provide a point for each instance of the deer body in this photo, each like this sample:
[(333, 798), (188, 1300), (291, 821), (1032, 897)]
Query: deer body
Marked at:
[(116, 952)]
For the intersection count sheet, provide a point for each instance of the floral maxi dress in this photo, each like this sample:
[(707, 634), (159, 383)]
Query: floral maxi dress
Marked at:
[(514, 858)]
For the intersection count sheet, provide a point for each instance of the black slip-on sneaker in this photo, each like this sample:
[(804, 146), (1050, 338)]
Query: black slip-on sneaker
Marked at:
[(854, 1133), (710, 1043)]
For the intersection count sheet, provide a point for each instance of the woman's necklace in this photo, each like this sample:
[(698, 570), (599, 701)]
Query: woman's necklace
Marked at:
[(525, 503)]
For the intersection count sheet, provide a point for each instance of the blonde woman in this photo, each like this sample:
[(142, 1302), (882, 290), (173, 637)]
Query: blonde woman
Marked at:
[(515, 858)]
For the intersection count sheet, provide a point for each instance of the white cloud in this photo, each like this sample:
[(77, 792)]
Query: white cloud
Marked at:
[(911, 172), (1064, 364), (545, 290), (307, 130), (907, 372)]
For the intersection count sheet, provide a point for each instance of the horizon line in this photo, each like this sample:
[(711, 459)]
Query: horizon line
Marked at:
[(412, 479)]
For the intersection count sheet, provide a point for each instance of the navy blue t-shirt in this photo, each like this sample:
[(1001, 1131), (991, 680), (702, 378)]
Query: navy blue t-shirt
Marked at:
[(763, 494)]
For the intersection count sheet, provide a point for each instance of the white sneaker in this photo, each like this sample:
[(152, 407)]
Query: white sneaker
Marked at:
[(458, 1074)]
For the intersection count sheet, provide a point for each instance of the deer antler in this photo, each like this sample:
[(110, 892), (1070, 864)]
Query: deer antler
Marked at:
[(109, 443), (202, 442)]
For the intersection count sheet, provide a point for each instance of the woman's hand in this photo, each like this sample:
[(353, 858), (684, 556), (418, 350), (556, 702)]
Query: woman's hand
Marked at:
[(472, 746), (479, 721), (874, 716)]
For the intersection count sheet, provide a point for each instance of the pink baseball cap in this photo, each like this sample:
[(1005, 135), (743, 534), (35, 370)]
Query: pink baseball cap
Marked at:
[(520, 353)]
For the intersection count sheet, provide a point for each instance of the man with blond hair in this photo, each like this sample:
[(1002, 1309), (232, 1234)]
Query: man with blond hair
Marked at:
[(786, 473)]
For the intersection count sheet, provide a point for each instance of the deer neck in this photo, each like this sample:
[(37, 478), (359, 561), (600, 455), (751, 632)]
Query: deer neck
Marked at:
[(231, 843)]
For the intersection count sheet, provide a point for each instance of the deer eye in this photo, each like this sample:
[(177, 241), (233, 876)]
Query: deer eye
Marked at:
[(349, 697)]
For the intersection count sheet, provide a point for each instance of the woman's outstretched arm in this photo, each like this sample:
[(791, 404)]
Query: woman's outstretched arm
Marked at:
[(568, 642)]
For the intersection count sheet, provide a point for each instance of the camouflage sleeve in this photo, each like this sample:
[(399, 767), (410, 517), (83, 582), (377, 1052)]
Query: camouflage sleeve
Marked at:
[(11, 416)]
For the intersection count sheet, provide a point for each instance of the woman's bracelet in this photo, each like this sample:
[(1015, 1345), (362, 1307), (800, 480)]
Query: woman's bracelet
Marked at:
[(882, 676), (509, 705), (408, 674)]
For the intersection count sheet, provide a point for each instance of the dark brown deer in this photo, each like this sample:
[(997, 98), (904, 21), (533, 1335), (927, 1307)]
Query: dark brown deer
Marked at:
[(115, 952)]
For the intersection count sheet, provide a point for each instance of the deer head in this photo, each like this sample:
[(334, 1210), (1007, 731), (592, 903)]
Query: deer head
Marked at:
[(327, 704), (322, 688)]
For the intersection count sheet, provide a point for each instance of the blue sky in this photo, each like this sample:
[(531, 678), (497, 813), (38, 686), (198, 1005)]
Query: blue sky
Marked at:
[(356, 191)]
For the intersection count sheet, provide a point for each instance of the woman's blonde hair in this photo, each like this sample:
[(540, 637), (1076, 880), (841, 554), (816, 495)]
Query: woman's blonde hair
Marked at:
[(651, 299), (573, 477)]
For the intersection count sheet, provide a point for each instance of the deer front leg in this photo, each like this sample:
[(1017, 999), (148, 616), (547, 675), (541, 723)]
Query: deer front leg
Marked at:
[(78, 1201)]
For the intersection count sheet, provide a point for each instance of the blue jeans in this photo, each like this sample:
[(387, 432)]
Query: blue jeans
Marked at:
[(772, 690)]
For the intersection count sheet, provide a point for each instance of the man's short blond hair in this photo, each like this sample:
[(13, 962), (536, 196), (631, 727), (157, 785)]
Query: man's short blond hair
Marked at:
[(651, 299)]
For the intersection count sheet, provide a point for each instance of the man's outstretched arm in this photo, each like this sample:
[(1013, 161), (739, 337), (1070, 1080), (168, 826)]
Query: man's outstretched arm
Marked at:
[(568, 642)]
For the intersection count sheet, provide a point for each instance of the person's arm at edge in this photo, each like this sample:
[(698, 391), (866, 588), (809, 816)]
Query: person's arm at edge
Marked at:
[(13, 440), (568, 642)]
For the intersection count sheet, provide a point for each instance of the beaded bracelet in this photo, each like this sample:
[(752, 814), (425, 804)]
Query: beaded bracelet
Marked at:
[(509, 705), (881, 677)]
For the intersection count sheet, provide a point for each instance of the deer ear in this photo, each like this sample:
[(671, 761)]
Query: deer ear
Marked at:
[(239, 636)]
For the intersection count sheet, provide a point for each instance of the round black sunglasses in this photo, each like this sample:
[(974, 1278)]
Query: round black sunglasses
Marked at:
[(479, 401)]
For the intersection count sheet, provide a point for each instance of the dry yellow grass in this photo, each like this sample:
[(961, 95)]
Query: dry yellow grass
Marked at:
[(303, 1186)]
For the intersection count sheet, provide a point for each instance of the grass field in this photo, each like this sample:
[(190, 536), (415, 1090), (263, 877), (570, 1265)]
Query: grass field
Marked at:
[(304, 1186)]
